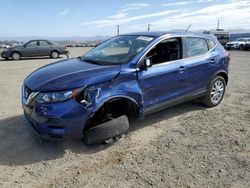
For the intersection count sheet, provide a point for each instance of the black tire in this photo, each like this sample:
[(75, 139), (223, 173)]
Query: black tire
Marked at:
[(16, 56), (241, 47), (207, 100), (54, 54), (100, 133)]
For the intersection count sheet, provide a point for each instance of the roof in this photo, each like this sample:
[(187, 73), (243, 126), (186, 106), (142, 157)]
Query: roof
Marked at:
[(161, 33)]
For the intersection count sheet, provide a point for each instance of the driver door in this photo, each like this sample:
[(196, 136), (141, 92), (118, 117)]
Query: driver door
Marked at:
[(164, 81), (30, 49)]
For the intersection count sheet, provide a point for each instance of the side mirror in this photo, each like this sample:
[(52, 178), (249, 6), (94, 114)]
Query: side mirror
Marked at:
[(148, 62), (145, 64), (24, 46)]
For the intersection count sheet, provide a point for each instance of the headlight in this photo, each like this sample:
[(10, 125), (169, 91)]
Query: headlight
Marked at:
[(57, 96), (5, 49)]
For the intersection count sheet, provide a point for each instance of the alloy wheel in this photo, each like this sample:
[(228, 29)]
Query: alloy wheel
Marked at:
[(217, 91)]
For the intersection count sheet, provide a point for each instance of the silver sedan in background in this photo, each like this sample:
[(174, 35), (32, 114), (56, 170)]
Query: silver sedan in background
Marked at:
[(34, 48)]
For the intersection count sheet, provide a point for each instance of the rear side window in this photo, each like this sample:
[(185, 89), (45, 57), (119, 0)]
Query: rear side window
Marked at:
[(196, 46), (211, 43), (43, 43)]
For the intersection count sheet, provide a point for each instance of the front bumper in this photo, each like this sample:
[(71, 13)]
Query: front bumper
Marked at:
[(5, 54), (56, 120)]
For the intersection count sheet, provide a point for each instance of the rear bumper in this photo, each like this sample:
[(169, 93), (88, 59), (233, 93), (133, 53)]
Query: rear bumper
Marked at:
[(65, 52)]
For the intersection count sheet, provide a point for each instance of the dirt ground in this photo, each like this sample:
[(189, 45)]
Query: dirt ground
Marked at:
[(185, 146)]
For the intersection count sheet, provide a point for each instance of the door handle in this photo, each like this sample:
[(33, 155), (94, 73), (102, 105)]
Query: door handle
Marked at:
[(181, 69), (212, 61)]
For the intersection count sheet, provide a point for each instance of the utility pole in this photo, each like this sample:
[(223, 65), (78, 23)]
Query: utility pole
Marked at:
[(118, 29), (218, 24), (149, 27)]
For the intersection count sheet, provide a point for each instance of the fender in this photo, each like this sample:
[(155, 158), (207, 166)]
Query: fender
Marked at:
[(219, 72), (129, 90), (16, 51)]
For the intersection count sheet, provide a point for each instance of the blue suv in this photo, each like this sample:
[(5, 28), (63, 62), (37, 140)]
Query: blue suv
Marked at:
[(128, 75)]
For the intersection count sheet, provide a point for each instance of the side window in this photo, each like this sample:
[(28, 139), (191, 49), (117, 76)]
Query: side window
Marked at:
[(211, 43), (32, 44), (196, 46), (165, 51), (43, 43)]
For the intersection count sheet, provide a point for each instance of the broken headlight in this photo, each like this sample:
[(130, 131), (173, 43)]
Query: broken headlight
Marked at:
[(60, 96), (84, 97)]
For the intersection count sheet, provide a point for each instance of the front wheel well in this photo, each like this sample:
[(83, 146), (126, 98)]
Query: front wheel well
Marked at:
[(111, 109), (15, 51)]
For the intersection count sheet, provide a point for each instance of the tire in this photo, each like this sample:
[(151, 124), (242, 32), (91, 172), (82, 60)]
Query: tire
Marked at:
[(215, 93), (100, 133), (54, 54), (241, 47), (16, 56)]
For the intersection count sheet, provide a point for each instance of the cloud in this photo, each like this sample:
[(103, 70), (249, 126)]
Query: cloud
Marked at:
[(64, 12), (122, 19), (185, 3), (176, 3), (232, 14), (133, 6)]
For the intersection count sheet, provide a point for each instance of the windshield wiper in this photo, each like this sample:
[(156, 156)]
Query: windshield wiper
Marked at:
[(91, 61)]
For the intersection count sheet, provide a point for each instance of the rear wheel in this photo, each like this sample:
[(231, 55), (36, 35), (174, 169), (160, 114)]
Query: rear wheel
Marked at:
[(16, 56), (241, 47), (54, 54), (215, 92)]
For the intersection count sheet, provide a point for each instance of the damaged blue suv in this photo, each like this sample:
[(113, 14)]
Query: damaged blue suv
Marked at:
[(128, 75)]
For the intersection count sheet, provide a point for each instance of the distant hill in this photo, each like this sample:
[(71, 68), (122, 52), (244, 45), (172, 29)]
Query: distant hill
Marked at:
[(70, 38)]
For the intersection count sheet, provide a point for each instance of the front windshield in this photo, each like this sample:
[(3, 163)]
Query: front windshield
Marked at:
[(117, 50)]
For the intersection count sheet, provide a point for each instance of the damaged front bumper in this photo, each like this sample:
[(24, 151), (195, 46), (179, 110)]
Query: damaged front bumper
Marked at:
[(56, 120)]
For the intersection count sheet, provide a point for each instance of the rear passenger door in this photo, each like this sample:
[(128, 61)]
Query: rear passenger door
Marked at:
[(200, 61), (44, 48)]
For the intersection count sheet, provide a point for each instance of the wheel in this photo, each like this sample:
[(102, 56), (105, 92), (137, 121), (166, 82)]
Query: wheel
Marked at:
[(215, 92), (100, 133), (241, 47), (54, 54), (16, 56)]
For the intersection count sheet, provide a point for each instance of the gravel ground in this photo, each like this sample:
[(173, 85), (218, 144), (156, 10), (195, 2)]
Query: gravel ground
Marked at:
[(185, 146)]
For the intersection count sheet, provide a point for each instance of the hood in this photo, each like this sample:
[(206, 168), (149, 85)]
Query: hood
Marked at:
[(69, 74)]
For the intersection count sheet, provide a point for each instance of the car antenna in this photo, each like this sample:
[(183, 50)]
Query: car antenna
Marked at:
[(188, 28)]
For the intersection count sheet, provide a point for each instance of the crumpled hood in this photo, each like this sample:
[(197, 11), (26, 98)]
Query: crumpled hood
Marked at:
[(69, 74)]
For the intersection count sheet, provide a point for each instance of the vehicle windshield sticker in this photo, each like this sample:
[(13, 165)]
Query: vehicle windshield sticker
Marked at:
[(144, 38)]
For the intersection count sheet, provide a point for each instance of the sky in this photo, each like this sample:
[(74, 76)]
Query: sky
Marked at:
[(62, 18)]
